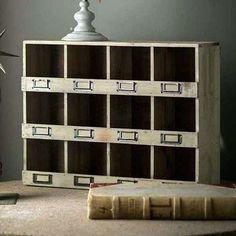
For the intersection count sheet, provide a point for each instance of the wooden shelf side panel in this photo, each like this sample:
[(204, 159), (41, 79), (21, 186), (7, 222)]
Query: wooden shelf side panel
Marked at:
[(209, 115)]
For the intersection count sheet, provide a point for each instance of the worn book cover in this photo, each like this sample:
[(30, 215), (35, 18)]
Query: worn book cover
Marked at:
[(162, 201)]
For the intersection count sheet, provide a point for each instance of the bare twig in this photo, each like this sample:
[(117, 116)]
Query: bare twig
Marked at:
[(4, 53)]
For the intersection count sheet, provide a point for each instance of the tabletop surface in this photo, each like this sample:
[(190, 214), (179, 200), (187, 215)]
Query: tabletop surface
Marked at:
[(48, 211)]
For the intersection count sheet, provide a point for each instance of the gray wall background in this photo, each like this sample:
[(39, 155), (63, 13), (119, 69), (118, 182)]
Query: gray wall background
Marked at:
[(119, 20)]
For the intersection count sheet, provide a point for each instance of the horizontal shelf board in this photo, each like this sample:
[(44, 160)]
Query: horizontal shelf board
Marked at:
[(105, 135), (111, 87), (128, 43), (78, 181)]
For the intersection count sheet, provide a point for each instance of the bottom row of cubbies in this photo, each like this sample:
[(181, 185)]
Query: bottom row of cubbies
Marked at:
[(125, 160)]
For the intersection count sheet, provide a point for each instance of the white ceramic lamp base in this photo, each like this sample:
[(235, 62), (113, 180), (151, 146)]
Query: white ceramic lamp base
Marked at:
[(84, 31), (84, 36)]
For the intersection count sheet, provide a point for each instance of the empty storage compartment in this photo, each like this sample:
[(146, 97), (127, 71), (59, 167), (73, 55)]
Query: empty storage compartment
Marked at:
[(44, 60), (172, 163), (130, 160), (175, 114), (87, 110), (174, 64), (87, 62), (130, 63), (87, 158), (45, 108), (45, 155), (130, 112)]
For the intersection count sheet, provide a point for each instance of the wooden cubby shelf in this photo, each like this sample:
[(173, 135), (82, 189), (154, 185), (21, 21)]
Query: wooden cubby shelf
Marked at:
[(174, 64), (44, 60), (130, 63), (130, 161), (87, 110), (177, 114), (45, 108), (120, 112), (46, 156), (130, 112), (174, 163), (87, 158), (86, 62)]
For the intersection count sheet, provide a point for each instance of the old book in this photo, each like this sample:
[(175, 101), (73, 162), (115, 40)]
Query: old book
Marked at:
[(162, 201), (98, 185)]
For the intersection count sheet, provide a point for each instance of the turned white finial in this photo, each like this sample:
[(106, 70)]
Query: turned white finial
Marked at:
[(84, 18), (84, 31)]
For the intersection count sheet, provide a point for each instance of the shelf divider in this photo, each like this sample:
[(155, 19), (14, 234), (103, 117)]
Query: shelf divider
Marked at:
[(24, 110), (197, 115), (65, 110), (108, 68), (152, 112)]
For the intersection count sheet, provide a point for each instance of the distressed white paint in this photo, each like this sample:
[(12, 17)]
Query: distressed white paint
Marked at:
[(95, 86)]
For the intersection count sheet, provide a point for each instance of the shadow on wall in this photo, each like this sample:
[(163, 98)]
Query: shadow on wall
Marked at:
[(228, 159)]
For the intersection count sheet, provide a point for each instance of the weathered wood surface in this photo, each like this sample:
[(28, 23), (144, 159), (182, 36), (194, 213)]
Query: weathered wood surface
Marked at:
[(111, 87), (148, 107), (209, 115), (104, 135), (128, 43), (67, 180)]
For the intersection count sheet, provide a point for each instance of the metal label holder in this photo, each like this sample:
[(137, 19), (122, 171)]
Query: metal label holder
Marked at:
[(171, 139), (127, 87), (41, 84), (165, 88), (83, 85), (41, 131)]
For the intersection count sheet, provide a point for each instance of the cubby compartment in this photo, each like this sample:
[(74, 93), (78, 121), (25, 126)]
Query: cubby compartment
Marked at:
[(87, 62), (87, 158), (174, 64), (130, 160), (87, 110), (175, 114), (44, 60), (130, 63), (45, 108), (174, 163), (45, 155), (130, 112)]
